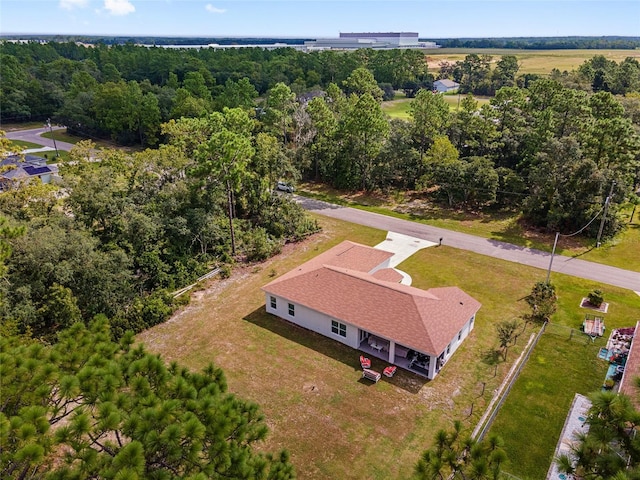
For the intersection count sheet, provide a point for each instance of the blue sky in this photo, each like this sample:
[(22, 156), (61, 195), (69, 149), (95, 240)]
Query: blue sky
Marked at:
[(312, 18)]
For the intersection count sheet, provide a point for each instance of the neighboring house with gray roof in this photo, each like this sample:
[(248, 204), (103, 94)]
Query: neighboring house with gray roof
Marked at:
[(350, 294), (19, 169)]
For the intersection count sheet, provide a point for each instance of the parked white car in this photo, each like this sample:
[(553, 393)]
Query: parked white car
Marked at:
[(284, 187)]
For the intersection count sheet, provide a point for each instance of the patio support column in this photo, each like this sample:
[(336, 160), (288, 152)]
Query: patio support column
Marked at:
[(433, 359), (392, 351)]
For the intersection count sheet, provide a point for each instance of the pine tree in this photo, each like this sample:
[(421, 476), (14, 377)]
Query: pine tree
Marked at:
[(87, 407)]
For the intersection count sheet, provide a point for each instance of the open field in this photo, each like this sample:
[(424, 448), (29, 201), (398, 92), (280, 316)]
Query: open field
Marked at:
[(400, 108), (309, 386), (531, 61), (502, 225)]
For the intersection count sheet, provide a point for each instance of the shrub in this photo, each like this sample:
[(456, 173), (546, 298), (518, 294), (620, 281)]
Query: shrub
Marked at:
[(225, 271), (595, 298)]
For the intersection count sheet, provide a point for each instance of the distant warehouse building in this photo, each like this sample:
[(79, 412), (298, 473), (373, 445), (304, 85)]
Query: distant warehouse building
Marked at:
[(375, 40)]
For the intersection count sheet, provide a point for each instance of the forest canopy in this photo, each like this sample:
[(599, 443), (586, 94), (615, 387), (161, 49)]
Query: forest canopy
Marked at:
[(222, 127)]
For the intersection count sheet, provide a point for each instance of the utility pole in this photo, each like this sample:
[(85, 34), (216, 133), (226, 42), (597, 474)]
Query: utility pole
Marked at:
[(604, 214), (552, 254), (52, 137)]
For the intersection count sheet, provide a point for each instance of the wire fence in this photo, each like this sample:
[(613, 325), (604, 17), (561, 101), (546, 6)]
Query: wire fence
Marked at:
[(560, 331), (568, 333), (514, 377)]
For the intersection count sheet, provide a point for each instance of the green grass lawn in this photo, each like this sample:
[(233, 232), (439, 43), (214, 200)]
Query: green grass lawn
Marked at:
[(400, 108), (22, 145), (309, 386), (397, 108), (498, 225), (540, 399), (558, 368), (62, 136), (50, 155)]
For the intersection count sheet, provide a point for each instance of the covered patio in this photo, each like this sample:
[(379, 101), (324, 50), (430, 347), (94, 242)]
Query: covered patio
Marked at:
[(403, 357)]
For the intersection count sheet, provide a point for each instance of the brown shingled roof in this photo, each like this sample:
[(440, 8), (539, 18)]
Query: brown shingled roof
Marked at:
[(388, 275), (423, 320)]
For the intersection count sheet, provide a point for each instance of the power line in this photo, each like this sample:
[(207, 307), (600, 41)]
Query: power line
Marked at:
[(583, 228), (558, 234)]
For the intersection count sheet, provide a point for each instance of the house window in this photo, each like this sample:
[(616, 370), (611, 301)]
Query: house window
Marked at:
[(292, 310), (459, 335), (338, 328), (448, 349), (274, 305)]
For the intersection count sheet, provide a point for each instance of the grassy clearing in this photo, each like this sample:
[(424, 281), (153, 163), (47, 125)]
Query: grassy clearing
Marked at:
[(50, 155), (62, 136), (531, 61), (501, 225), (399, 108), (309, 386)]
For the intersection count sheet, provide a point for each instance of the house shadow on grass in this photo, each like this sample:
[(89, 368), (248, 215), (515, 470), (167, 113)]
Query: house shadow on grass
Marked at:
[(404, 380)]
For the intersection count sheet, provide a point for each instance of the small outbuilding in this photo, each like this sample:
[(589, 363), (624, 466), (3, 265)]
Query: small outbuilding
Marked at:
[(445, 85)]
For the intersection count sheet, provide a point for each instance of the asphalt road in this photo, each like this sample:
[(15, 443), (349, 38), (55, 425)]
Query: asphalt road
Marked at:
[(484, 246), (33, 136)]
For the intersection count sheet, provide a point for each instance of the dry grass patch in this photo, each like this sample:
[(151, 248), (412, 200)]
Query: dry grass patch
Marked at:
[(531, 61), (334, 424)]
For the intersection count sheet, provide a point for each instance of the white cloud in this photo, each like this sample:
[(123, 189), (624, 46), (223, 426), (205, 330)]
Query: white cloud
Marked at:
[(211, 9), (119, 7), (71, 4)]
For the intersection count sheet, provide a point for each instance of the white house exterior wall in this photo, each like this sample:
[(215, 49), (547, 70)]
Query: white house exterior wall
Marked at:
[(455, 343), (321, 323), (312, 320)]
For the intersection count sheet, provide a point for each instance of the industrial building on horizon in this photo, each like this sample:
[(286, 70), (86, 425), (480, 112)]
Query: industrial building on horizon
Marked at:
[(346, 41), (375, 40)]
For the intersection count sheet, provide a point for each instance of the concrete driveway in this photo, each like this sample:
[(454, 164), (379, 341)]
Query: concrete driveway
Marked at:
[(402, 247)]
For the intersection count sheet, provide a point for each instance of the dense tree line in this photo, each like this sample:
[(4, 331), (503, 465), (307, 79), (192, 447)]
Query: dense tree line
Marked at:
[(543, 43), (75, 84), (124, 229), (551, 151), (532, 43)]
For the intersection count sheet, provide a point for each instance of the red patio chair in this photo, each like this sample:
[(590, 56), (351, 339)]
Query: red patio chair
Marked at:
[(390, 371), (365, 362)]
